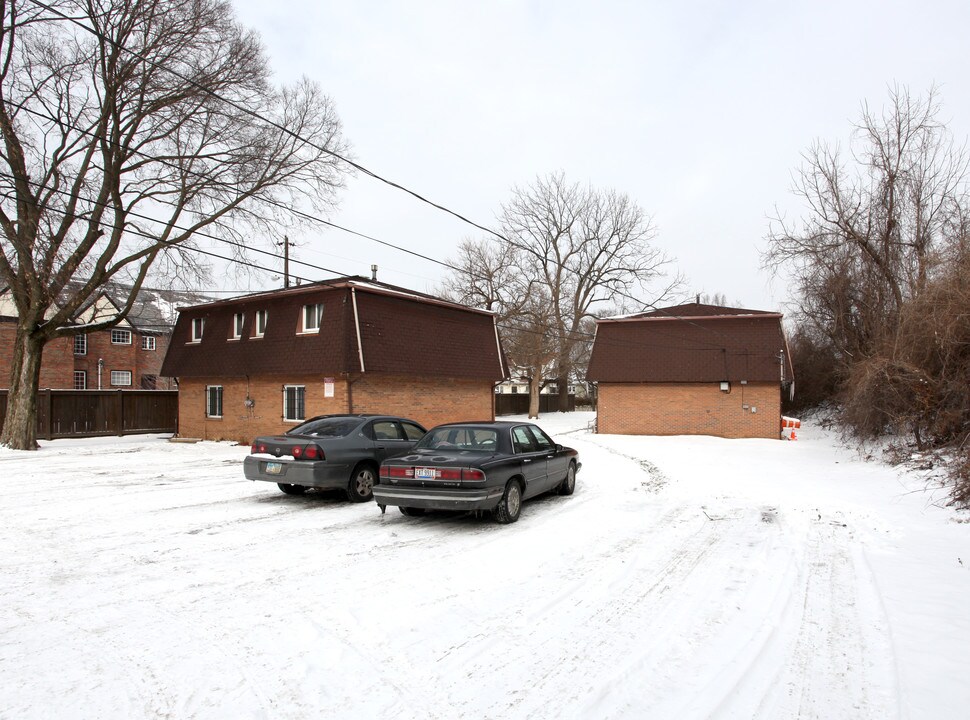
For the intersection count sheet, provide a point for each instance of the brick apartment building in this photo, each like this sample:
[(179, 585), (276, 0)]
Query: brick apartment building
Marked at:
[(691, 370), (128, 356), (260, 364)]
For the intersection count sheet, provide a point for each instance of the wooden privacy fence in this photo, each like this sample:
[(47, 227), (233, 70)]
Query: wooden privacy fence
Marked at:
[(518, 404), (89, 413)]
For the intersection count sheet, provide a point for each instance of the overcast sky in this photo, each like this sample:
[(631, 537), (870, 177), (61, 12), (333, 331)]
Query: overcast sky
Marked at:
[(699, 111)]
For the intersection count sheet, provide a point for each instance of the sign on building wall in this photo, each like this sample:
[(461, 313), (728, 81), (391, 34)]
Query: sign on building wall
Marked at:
[(328, 387)]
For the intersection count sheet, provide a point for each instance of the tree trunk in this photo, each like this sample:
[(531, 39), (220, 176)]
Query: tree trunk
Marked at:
[(562, 387), (535, 385), (20, 424)]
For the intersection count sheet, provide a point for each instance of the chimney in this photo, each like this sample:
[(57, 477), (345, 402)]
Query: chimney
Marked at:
[(373, 273), (698, 298)]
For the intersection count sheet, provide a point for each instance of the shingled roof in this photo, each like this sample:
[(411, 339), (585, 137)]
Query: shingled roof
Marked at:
[(691, 343), (366, 327)]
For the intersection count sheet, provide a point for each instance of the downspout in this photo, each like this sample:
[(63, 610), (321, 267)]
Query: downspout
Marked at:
[(501, 365), (498, 347), (360, 347)]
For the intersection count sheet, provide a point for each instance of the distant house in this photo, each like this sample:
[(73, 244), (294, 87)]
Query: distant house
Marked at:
[(261, 363), (691, 370), (127, 356)]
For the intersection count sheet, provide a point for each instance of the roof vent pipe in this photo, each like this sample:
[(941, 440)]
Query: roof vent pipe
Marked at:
[(373, 273)]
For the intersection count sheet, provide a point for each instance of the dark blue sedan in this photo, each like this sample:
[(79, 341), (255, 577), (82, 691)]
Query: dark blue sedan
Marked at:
[(491, 466)]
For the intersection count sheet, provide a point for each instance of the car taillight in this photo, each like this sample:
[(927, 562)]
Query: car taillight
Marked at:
[(448, 474), (257, 449), (389, 471), (472, 474), (311, 452)]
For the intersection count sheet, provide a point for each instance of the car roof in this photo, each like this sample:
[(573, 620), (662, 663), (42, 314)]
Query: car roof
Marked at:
[(359, 416), (497, 424)]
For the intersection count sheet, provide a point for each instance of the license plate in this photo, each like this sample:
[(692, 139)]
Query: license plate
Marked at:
[(424, 473), (274, 468)]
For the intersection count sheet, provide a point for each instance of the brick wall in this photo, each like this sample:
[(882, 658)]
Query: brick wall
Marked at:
[(57, 366), (265, 417), (690, 409), (430, 402)]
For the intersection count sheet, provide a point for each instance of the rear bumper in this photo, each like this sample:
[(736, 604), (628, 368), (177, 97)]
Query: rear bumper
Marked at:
[(307, 474), (439, 499)]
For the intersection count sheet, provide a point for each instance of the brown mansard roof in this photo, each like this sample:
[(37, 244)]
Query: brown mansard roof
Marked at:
[(691, 343), (401, 332)]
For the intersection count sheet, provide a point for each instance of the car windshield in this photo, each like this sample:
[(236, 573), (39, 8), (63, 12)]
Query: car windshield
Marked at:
[(460, 438), (326, 427)]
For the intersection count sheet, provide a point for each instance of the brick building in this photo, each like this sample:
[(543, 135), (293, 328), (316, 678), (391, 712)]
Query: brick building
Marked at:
[(260, 364), (691, 370), (127, 356)]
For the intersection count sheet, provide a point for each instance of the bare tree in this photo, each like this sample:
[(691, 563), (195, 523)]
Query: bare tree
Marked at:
[(880, 265), (876, 221), (583, 248), (130, 127)]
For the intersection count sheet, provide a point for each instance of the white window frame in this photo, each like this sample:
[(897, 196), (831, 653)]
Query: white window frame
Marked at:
[(299, 398), (312, 317), (147, 342), (260, 322), (81, 344), (81, 375), (238, 322), (119, 374), (120, 333), (198, 329), (220, 395)]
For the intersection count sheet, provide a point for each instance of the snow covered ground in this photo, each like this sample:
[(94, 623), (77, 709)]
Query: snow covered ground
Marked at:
[(688, 577)]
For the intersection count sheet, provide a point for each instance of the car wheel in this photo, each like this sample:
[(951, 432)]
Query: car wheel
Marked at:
[(510, 505), (291, 489), (410, 511), (568, 484), (362, 481)]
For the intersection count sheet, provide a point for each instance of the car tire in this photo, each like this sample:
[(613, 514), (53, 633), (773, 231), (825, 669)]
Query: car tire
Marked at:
[(291, 489), (410, 511), (510, 505), (568, 485), (362, 482)]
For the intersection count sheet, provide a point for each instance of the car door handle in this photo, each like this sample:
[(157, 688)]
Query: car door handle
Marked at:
[(550, 456), (527, 460)]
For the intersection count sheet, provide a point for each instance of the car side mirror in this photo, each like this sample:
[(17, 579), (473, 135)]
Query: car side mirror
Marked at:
[(558, 447)]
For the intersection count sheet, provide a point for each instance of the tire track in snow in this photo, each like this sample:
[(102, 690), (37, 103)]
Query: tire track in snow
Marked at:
[(817, 645)]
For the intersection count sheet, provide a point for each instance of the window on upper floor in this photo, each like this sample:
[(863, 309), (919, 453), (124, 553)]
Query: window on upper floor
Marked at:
[(120, 337), (198, 325), (262, 317), (147, 342), (312, 316), (237, 325), (81, 345)]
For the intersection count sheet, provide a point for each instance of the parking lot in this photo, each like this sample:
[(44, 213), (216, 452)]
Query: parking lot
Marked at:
[(687, 578)]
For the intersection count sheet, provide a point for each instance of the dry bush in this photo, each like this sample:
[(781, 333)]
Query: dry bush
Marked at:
[(816, 367)]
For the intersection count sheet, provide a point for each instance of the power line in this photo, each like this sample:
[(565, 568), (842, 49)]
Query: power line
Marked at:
[(252, 113), (261, 118)]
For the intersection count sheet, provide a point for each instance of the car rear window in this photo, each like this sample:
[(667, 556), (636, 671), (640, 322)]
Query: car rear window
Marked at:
[(461, 438), (326, 427)]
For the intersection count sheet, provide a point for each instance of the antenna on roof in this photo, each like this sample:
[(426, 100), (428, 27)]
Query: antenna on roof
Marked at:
[(373, 273)]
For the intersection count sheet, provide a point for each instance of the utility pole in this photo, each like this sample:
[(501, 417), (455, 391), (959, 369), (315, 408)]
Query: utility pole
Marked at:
[(286, 261)]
